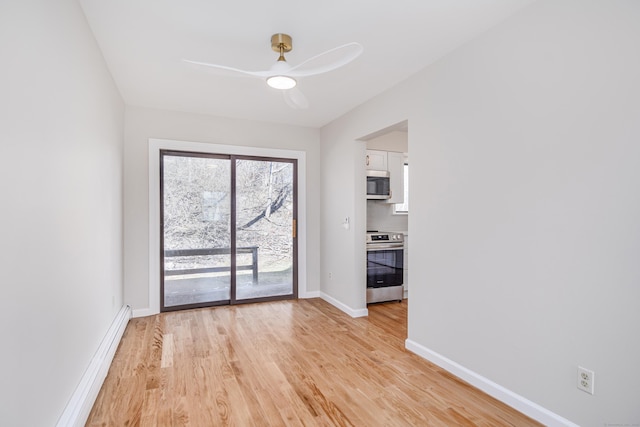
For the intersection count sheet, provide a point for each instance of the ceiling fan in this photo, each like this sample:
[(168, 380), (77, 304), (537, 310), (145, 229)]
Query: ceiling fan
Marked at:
[(283, 76)]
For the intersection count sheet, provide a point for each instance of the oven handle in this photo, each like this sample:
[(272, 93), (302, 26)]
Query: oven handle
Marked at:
[(383, 247)]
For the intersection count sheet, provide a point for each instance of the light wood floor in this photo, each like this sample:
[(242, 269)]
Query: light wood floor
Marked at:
[(286, 363)]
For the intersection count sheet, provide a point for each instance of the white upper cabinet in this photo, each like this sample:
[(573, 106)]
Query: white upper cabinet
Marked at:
[(392, 162), (376, 160), (395, 166)]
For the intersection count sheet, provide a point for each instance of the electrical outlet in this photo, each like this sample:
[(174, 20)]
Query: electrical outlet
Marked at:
[(585, 379), (330, 276)]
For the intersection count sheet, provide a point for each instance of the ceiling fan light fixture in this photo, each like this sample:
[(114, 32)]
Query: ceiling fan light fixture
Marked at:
[(281, 76), (281, 82)]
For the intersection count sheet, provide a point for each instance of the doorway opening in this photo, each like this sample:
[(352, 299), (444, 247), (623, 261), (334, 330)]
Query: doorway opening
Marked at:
[(228, 226), (387, 150)]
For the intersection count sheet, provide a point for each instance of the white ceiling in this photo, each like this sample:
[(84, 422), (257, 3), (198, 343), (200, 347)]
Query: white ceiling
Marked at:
[(143, 42)]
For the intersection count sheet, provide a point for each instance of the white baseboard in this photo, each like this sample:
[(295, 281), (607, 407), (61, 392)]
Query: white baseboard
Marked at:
[(143, 312), (350, 311), (312, 294), (77, 411), (527, 407)]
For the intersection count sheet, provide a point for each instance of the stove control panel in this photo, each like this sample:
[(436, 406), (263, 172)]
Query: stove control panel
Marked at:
[(378, 237), (381, 237)]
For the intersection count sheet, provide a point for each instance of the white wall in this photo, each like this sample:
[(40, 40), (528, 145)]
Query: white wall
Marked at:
[(396, 140), (380, 216), (61, 121), (142, 124), (524, 211), (343, 263)]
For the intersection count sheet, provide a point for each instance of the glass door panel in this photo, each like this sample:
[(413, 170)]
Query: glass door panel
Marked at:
[(265, 240), (196, 238)]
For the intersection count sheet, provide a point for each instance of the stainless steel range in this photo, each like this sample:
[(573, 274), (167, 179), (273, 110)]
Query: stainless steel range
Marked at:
[(385, 263)]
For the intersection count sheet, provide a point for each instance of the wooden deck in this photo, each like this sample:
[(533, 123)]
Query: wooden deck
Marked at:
[(285, 363)]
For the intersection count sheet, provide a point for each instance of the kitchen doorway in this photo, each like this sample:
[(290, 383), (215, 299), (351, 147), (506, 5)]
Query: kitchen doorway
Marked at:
[(227, 229), (387, 151)]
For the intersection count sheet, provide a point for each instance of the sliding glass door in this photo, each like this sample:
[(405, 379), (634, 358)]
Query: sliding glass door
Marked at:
[(228, 229), (265, 221)]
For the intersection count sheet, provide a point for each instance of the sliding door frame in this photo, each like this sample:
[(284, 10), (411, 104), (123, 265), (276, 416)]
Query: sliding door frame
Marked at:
[(295, 282), (233, 230), (161, 254), (155, 147)]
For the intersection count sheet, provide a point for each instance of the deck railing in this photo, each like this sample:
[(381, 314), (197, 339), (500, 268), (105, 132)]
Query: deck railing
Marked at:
[(253, 250)]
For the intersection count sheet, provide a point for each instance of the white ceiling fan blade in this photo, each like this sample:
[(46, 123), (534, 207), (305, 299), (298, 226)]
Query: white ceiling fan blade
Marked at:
[(295, 99), (345, 54), (235, 70)]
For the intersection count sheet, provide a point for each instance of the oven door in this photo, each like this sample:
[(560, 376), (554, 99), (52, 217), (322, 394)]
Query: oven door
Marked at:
[(384, 265)]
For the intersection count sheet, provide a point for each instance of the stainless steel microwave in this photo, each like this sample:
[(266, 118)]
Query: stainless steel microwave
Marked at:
[(378, 186)]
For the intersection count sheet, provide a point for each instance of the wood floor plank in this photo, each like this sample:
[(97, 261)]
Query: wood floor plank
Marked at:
[(284, 363)]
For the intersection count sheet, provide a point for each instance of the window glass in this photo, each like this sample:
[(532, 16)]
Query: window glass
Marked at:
[(404, 207)]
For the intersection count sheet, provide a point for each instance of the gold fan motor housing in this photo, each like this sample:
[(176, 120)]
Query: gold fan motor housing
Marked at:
[(281, 41)]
